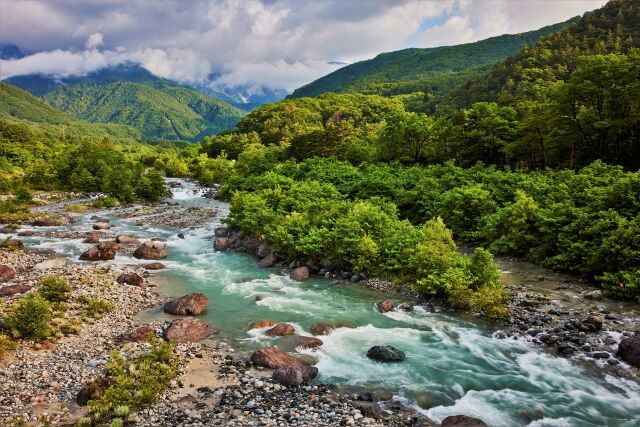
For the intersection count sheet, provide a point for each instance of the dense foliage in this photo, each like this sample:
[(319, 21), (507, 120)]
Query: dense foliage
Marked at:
[(374, 217)]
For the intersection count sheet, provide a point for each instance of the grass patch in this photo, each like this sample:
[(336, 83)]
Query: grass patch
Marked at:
[(94, 307), (76, 208)]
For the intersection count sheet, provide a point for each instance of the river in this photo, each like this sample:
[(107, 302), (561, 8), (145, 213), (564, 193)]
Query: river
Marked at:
[(454, 365)]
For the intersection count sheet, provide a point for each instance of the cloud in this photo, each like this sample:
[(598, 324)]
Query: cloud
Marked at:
[(275, 43), (94, 40)]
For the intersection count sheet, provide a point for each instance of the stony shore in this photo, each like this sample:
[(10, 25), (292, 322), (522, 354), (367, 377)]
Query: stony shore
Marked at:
[(40, 381)]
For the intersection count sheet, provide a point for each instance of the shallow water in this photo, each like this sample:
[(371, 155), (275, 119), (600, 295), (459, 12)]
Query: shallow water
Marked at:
[(453, 366)]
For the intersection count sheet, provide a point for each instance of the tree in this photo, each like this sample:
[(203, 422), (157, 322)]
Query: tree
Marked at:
[(407, 137)]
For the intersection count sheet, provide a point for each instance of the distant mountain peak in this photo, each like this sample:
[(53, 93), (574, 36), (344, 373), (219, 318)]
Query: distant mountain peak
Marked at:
[(10, 51)]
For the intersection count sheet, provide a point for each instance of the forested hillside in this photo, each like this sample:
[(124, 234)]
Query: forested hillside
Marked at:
[(44, 148), (130, 95), (428, 70)]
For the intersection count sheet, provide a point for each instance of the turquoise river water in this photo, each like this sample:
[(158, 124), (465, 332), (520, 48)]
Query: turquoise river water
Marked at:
[(453, 365)]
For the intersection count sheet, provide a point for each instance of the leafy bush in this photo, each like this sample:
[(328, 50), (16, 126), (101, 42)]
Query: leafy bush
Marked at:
[(136, 384), (23, 196), (5, 345), (95, 307), (104, 202), (30, 317), (624, 284), (54, 288)]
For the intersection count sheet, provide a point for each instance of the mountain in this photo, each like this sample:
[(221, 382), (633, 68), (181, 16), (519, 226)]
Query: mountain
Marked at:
[(130, 95), (17, 105), (614, 28), (10, 51), (245, 97), (410, 70)]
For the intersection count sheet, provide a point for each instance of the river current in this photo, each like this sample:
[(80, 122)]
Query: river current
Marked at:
[(453, 366)]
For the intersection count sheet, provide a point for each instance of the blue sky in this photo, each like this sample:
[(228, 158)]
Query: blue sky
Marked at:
[(280, 44)]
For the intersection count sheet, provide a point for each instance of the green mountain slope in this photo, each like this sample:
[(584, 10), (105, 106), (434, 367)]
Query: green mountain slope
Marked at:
[(130, 95), (19, 106), (614, 28), (410, 70)]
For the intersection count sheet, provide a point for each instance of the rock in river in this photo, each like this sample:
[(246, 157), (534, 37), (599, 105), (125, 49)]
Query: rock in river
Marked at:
[(385, 306), (268, 261), (300, 274), (306, 342), (151, 250), (274, 358), (462, 421), (222, 243), (12, 244), (263, 324), (629, 350), (188, 329), (193, 303), (153, 266), (322, 329), (385, 353), (46, 222), (101, 226), (101, 252), (127, 240), (281, 330)]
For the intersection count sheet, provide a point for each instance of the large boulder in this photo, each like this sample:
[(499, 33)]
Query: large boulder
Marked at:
[(251, 244), (300, 274), (385, 353), (51, 264), (188, 329), (101, 226), (322, 329), (193, 303), (139, 334), (281, 330), (12, 244), (306, 342), (46, 222), (6, 273), (462, 421), (294, 376), (153, 266), (7, 230), (274, 358), (263, 250), (151, 250), (222, 243), (385, 306), (93, 390), (268, 261), (7, 291), (127, 240), (133, 279), (629, 350), (101, 252)]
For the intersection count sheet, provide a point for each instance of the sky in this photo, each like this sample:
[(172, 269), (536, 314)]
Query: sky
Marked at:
[(278, 44)]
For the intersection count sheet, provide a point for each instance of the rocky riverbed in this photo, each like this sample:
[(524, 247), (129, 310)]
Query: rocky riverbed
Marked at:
[(40, 381)]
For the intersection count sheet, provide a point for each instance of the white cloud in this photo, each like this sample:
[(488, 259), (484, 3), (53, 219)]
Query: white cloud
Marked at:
[(94, 40), (276, 43)]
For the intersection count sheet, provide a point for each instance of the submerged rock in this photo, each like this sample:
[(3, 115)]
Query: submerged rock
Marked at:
[(274, 358), (385, 353), (593, 295), (151, 249), (27, 233), (281, 330), (462, 421), (322, 329), (188, 329), (300, 274), (629, 350), (306, 342), (193, 303)]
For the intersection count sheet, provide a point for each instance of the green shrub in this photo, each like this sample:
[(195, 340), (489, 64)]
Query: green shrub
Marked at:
[(23, 196), (6, 344), (31, 316), (104, 202), (54, 288), (624, 284), (95, 307), (136, 384)]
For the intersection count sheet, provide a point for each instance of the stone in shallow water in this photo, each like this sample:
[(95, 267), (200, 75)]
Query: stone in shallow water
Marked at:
[(274, 358), (281, 329), (193, 303), (151, 249), (462, 421), (322, 329), (385, 353), (385, 306), (629, 350)]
